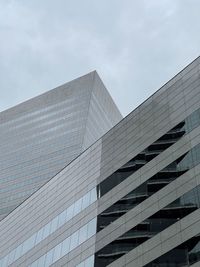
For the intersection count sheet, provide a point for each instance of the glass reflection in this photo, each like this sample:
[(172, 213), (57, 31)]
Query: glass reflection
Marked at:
[(186, 254), (159, 221), (89, 262), (52, 226), (164, 142), (70, 243)]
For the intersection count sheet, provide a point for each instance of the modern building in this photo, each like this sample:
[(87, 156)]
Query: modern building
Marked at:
[(132, 198), (41, 136)]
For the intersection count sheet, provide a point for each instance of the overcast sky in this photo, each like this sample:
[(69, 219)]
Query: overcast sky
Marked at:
[(135, 45)]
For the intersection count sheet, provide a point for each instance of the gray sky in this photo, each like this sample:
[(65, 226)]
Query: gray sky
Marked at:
[(135, 45)]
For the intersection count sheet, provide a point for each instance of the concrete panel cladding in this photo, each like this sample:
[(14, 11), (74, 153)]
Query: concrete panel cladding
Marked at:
[(42, 135), (132, 198)]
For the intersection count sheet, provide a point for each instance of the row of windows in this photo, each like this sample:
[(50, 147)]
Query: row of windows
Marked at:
[(65, 120), (54, 165), (186, 254), (34, 141), (41, 135), (158, 222), (141, 159), (164, 218), (50, 110), (23, 185), (164, 142), (48, 141), (45, 154), (67, 245), (89, 262), (42, 121), (178, 209), (191, 122), (175, 134), (150, 187), (19, 195), (37, 165), (51, 227), (15, 196)]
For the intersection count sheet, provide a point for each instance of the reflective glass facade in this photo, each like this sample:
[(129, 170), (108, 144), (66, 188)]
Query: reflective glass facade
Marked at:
[(67, 245), (51, 227), (150, 187), (186, 254), (132, 198), (165, 217), (164, 142)]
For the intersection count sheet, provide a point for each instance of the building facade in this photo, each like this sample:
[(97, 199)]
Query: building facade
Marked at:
[(130, 199), (41, 136)]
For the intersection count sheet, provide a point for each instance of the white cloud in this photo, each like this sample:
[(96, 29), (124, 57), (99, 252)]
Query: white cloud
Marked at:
[(136, 46)]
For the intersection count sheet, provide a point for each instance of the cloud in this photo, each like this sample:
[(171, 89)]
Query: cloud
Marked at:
[(136, 46)]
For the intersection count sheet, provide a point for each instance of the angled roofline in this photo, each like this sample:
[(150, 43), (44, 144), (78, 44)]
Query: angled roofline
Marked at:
[(178, 74), (47, 92)]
